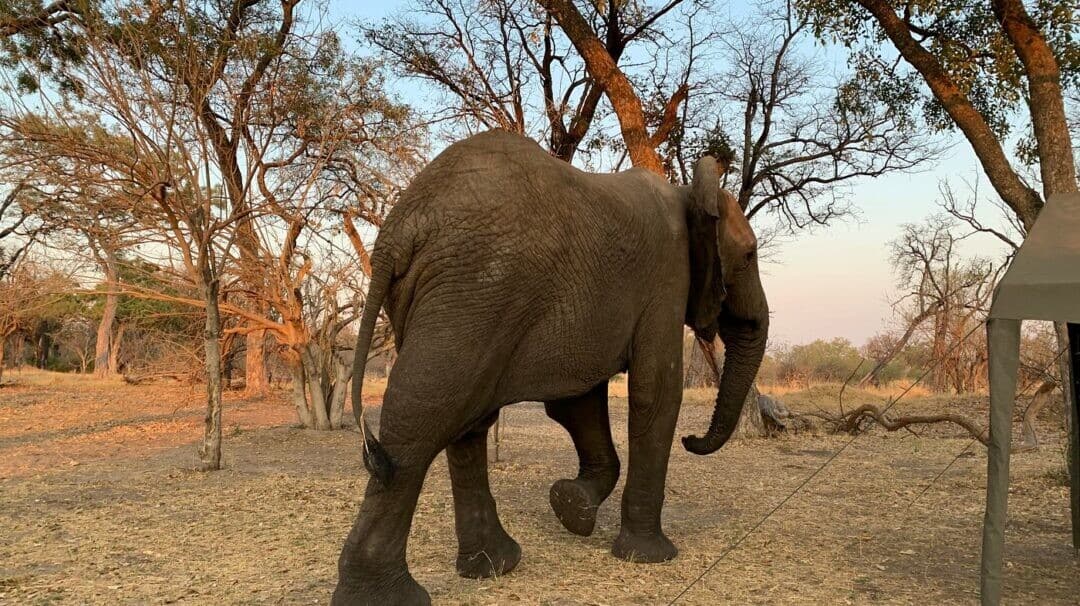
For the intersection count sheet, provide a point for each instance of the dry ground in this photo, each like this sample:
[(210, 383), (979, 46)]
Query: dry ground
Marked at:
[(98, 505)]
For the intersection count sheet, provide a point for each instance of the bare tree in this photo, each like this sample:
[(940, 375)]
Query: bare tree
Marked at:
[(602, 67), (20, 227), (505, 64), (950, 292), (799, 135)]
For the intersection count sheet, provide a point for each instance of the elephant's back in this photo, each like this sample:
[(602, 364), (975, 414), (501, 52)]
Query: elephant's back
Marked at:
[(498, 230), (493, 171), (498, 182)]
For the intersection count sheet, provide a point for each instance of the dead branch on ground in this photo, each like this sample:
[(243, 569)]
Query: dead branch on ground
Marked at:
[(857, 420)]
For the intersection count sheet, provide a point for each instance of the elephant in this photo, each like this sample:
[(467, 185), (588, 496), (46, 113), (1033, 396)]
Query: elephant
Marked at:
[(509, 276)]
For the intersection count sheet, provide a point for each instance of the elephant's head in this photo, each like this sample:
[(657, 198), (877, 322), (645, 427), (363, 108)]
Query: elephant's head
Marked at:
[(726, 297)]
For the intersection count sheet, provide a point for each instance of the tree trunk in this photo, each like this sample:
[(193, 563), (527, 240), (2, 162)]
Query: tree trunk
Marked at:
[(3, 346), (316, 389), (256, 382), (751, 425), (299, 390), (103, 347), (210, 450), (1064, 363), (114, 351), (1024, 201), (1071, 384), (41, 349), (19, 350), (699, 371), (340, 388), (1038, 402), (620, 91), (938, 351), (1045, 100)]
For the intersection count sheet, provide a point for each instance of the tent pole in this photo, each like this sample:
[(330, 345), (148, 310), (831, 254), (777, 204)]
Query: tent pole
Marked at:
[(1003, 340), (1074, 432)]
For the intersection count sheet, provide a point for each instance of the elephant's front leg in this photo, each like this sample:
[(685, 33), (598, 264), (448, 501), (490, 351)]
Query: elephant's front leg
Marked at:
[(655, 398), (585, 418), (484, 547)]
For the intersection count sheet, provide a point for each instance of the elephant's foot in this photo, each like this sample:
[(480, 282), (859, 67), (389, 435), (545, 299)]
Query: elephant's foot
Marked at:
[(575, 504), (401, 590), (646, 548), (499, 555)]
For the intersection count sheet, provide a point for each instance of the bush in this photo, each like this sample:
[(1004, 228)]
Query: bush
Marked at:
[(819, 361)]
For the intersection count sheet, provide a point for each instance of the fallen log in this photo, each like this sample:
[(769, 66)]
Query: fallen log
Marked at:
[(852, 422)]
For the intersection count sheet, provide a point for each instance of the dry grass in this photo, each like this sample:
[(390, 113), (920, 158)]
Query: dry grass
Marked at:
[(108, 512), (883, 392)]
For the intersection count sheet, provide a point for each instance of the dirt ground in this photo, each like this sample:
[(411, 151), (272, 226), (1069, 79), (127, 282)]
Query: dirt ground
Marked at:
[(98, 505)]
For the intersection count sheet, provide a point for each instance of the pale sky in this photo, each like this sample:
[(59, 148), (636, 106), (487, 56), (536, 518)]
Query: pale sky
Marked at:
[(836, 281)]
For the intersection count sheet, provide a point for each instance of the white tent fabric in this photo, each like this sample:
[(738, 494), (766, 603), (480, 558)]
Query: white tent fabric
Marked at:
[(1043, 283)]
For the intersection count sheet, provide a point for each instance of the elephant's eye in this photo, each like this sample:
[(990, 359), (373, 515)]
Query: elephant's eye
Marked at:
[(750, 256)]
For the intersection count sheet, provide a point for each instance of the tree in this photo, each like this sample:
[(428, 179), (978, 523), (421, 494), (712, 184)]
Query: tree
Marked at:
[(603, 68), (38, 37), (950, 292), (19, 229), (504, 64), (799, 135), (26, 294), (316, 136), (979, 62), (824, 361), (144, 68)]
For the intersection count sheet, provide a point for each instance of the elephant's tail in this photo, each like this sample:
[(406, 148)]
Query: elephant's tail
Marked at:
[(376, 459)]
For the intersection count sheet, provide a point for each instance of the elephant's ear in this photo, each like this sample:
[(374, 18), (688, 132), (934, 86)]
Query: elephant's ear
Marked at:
[(702, 217)]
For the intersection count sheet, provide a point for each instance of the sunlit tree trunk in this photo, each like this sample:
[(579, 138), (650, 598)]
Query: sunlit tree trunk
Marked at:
[(751, 424), (103, 347), (1064, 364), (256, 382), (42, 345)]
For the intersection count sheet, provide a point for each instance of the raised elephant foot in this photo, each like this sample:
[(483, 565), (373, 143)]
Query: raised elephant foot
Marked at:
[(648, 548), (575, 504), (403, 590), (499, 556)]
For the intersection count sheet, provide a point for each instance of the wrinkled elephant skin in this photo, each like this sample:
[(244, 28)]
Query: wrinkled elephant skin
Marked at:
[(511, 276)]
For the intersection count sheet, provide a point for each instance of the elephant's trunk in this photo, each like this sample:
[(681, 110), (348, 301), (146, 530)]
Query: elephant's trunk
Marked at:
[(744, 348)]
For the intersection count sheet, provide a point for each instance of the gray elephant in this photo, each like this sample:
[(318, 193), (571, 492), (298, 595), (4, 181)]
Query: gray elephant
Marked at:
[(511, 276)]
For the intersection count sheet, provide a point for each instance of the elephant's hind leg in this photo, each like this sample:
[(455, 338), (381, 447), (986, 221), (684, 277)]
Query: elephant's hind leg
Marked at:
[(585, 417), (372, 569), (484, 548)]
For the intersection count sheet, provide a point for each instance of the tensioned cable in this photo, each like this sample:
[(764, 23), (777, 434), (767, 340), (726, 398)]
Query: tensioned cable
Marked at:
[(815, 473), (972, 442)]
